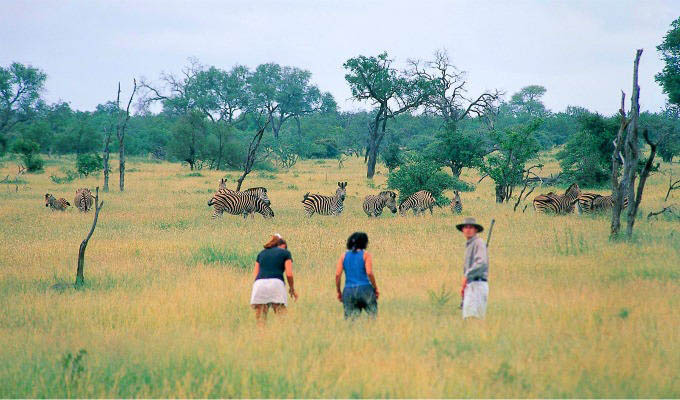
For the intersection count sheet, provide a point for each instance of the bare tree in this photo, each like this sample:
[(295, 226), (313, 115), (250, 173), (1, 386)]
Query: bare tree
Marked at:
[(627, 140), (120, 133), (449, 98), (80, 278), (252, 148), (671, 186)]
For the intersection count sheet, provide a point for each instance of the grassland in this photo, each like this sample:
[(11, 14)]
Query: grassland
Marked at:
[(165, 309)]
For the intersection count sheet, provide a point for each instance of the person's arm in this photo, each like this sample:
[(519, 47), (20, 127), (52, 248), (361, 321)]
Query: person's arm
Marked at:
[(368, 262), (256, 270), (289, 277), (338, 275)]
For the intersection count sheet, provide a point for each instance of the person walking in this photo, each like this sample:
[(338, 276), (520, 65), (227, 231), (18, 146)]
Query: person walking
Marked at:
[(361, 290), (475, 290), (269, 289)]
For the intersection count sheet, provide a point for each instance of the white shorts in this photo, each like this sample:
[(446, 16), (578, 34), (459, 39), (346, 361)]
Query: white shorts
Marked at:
[(475, 298), (266, 291)]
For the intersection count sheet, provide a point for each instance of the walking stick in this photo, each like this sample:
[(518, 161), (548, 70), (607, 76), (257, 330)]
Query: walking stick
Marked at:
[(488, 239)]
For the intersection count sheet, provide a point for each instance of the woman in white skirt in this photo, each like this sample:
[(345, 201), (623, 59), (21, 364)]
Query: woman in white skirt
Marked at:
[(269, 289)]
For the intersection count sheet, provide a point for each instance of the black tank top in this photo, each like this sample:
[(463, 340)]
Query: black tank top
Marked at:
[(272, 263)]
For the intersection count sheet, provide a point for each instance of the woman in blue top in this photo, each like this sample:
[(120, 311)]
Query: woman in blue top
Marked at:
[(361, 291)]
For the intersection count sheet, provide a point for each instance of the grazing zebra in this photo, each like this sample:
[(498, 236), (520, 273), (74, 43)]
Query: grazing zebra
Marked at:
[(456, 203), (83, 199), (558, 203), (223, 201), (54, 204), (593, 202), (374, 204), (325, 205), (239, 203), (419, 202)]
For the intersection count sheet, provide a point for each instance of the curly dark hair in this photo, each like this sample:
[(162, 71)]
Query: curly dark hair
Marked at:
[(357, 241)]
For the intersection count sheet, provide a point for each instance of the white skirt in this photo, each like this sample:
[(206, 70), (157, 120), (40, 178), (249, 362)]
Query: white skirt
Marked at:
[(266, 291), (475, 298)]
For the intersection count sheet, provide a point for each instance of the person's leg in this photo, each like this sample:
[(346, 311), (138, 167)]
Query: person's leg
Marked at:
[(349, 303), (371, 303), (279, 308), (260, 312)]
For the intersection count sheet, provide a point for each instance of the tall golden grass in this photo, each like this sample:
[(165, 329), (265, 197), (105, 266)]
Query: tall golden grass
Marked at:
[(165, 309)]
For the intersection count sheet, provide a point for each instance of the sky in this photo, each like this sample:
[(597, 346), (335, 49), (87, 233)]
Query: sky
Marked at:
[(581, 51)]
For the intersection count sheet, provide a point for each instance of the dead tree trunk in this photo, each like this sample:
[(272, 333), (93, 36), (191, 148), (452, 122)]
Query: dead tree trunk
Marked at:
[(252, 151), (80, 279), (120, 133), (627, 153)]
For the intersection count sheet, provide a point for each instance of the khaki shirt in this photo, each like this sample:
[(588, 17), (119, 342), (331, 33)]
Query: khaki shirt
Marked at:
[(476, 264)]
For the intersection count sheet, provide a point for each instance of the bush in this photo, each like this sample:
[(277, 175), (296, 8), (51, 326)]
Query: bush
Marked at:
[(28, 150), (87, 164), (70, 175), (391, 155), (420, 174)]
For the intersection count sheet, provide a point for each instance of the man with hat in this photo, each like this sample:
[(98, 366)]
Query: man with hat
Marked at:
[(475, 290)]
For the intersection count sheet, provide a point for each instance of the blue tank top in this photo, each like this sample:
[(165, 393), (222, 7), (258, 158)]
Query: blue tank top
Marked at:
[(355, 269)]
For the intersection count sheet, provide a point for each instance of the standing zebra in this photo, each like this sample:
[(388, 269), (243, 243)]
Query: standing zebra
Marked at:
[(325, 205), (374, 204), (54, 204), (419, 202), (558, 203), (83, 199), (239, 202), (260, 191), (593, 202), (456, 203)]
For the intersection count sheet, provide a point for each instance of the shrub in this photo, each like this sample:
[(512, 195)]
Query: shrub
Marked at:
[(87, 164), (419, 174), (69, 176), (28, 150)]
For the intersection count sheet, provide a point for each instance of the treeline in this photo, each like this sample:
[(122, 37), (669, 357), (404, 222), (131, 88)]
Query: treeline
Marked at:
[(210, 118)]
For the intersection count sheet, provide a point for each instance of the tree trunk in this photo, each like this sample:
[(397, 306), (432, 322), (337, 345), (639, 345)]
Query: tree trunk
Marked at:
[(455, 170), (121, 162), (80, 277), (220, 149), (501, 192), (107, 168)]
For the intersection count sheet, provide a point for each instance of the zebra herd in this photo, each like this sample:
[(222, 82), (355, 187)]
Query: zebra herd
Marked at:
[(255, 200), (83, 201), (573, 199)]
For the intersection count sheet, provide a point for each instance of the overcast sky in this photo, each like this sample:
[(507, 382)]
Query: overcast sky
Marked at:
[(582, 52)]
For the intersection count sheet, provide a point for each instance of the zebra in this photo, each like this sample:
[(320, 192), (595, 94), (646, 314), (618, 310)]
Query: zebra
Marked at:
[(419, 202), (593, 202), (260, 191), (558, 203), (83, 199), (222, 200), (456, 203), (54, 204), (325, 205), (374, 204)]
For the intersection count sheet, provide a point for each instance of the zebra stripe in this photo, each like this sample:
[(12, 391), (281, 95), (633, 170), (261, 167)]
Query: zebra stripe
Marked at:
[(558, 203), (325, 205), (593, 202), (239, 203), (54, 204), (419, 202), (83, 199), (456, 203), (374, 204)]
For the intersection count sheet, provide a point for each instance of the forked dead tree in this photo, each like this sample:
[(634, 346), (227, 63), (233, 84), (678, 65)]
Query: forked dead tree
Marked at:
[(252, 149), (80, 279), (627, 153), (120, 133)]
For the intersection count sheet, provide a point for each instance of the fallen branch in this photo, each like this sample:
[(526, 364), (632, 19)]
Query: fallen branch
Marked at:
[(671, 186), (663, 211)]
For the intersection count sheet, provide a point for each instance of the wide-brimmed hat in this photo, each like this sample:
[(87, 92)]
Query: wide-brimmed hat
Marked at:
[(469, 221)]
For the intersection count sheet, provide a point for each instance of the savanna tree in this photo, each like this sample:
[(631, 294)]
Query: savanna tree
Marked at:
[(20, 89), (391, 92), (506, 166), (669, 78)]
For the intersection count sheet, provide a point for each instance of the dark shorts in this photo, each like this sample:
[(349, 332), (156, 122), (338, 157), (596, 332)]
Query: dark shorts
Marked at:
[(355, 299)]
